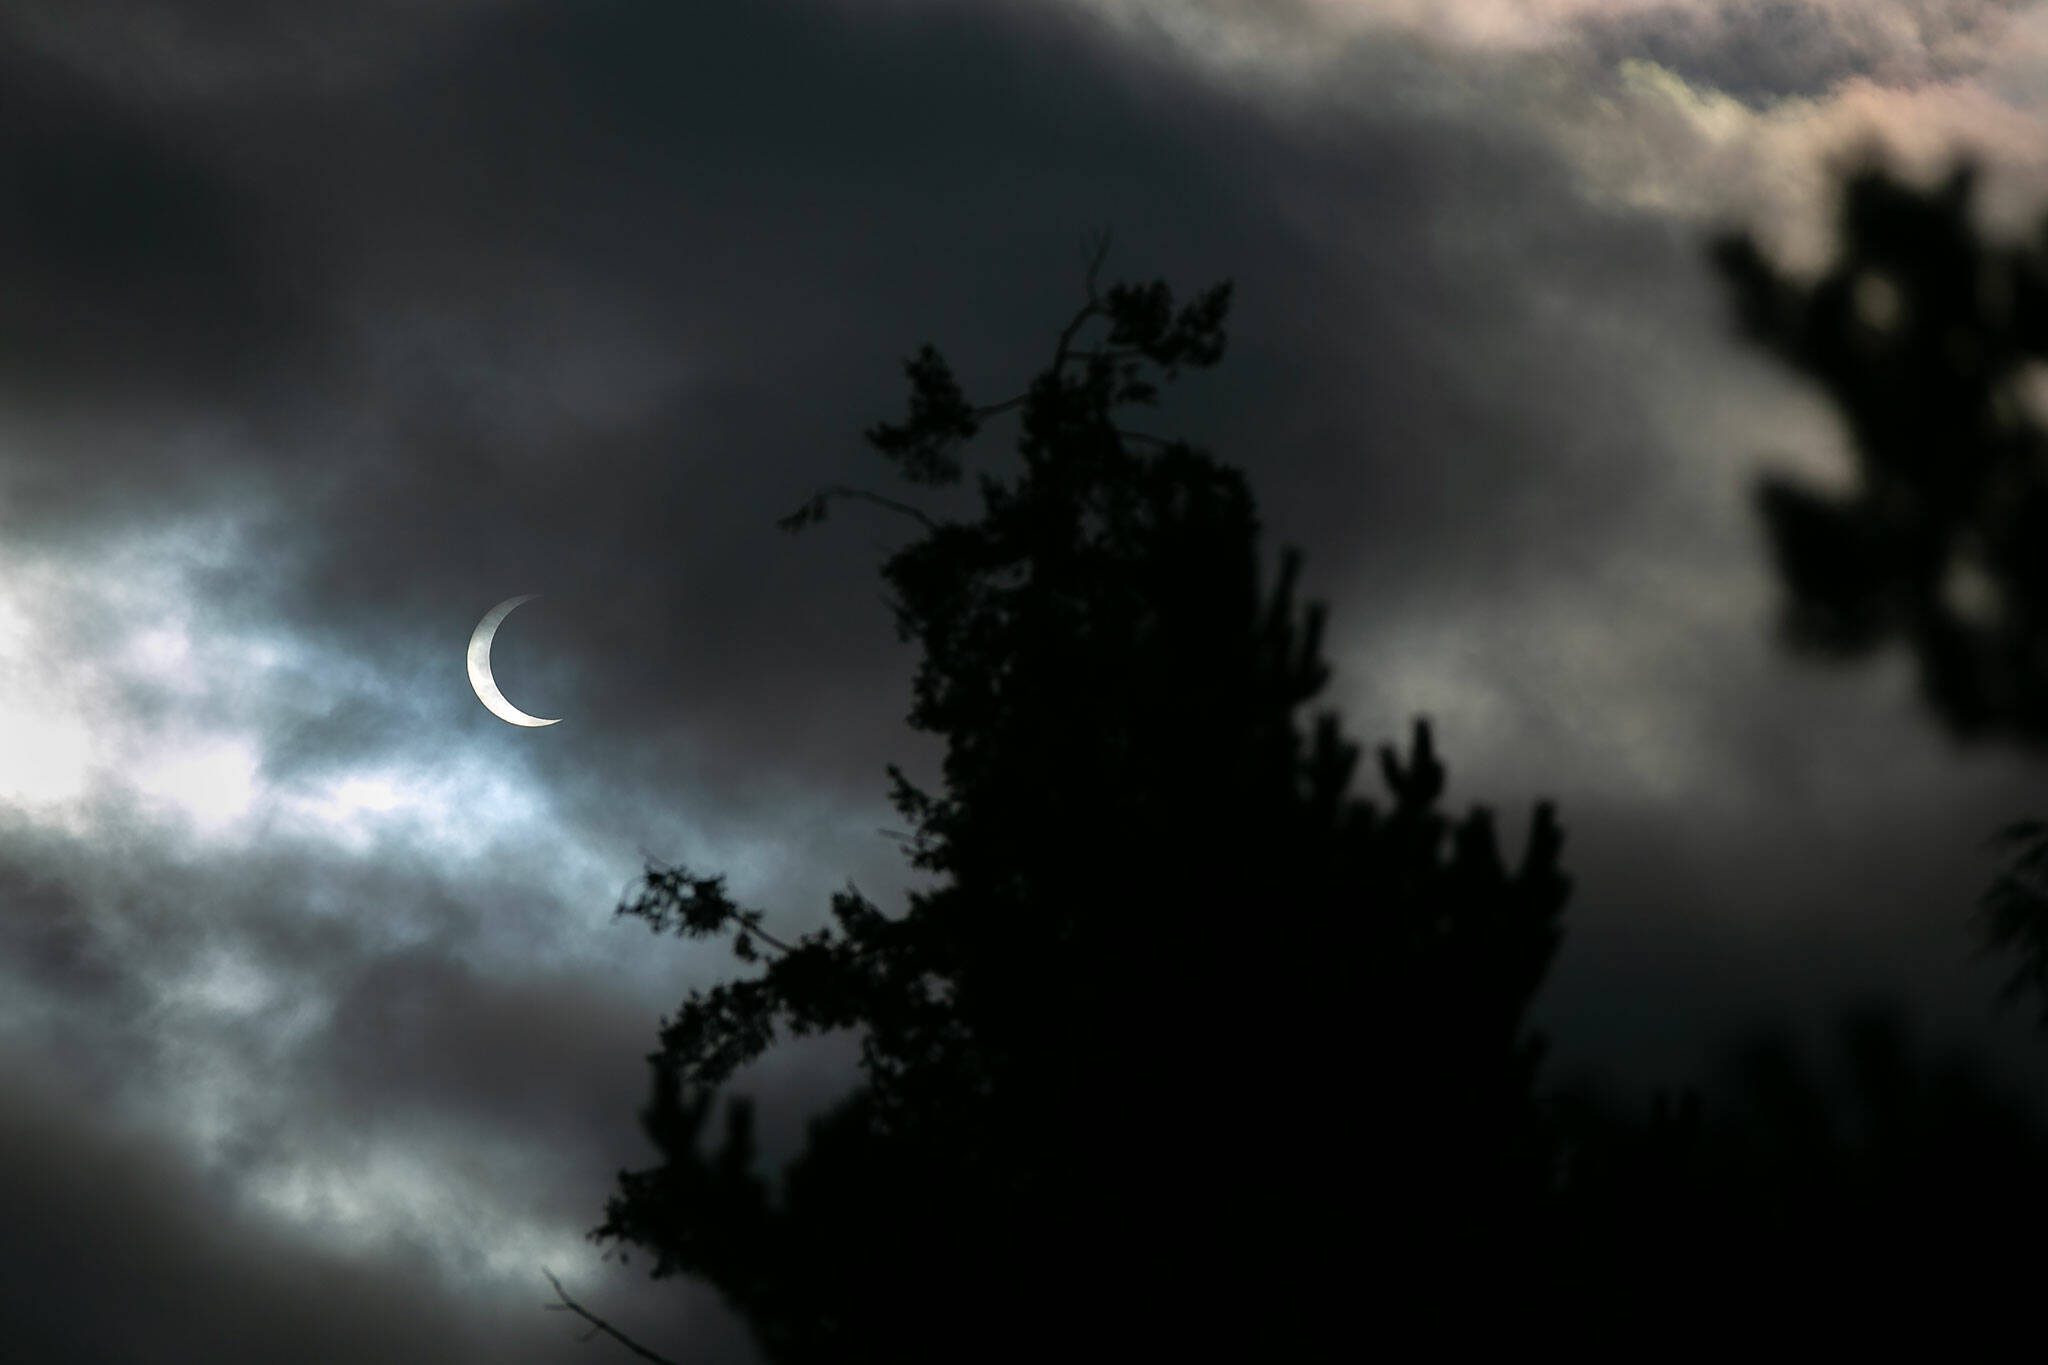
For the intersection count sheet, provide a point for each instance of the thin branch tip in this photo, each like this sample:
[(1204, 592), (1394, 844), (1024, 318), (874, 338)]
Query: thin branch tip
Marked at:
[(597, 1324)]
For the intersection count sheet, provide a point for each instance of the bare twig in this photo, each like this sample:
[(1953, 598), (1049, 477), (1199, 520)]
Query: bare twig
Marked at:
[(598, 1324), (813, 508), (1095, 260), (1092, 309), (840, 490), (1060, 354)]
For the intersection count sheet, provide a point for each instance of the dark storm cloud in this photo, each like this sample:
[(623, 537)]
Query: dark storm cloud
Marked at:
[(115, 1250), (618, 305), (132, 265), (1765, 51), (420, 1042), (626, 303), (371, 1038), (47, 936), (908, 178), (417, 1029)]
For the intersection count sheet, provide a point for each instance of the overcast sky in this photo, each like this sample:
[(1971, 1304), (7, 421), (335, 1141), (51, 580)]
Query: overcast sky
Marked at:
[(320, 333)]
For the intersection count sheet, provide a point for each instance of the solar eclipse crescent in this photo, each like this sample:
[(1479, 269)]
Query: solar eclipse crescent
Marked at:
[(480, 666)]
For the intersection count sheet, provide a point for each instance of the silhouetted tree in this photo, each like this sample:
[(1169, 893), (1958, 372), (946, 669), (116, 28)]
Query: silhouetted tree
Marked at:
[(1930, 339), (1835, 1197), (1183, 1031)]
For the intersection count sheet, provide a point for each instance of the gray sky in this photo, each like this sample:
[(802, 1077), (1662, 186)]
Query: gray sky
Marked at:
[(321, 334)]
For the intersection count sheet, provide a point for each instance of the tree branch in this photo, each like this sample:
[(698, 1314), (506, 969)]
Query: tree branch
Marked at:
[(753, 928), (998, 409), (1060, 354), (597, 1323), (1092, 309), (840, 490), (1095, 260)]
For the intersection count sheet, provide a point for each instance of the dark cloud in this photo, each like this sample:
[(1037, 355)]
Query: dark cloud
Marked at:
[(134, 266), (1765, 51), (115, 1250), (177, 50)]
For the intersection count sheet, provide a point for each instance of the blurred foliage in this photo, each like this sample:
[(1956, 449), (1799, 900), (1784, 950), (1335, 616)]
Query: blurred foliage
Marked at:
[(1926, 337), (1931, 339)]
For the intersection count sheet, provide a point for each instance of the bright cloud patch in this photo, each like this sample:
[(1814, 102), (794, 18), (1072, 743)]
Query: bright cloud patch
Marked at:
[(116, 686), (405, 1192), (209, 782)]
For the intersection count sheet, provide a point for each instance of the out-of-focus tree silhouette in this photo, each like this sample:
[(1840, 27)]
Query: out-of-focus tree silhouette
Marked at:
[(1183, 1035), (1925, 335), (1932, 341)]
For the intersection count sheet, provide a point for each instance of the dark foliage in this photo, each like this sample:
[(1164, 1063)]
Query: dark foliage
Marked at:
[(1924, 335), (1855, 1199), (1931, 341), (1184, 1033)]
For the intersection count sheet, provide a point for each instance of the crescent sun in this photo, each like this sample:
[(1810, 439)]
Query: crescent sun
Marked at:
[(480, 666)]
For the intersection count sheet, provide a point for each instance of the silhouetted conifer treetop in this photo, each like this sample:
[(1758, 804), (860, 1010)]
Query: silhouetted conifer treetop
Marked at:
[(1178, 1008)]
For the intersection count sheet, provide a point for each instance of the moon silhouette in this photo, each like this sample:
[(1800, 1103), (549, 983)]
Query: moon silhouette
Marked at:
[(480, 666)]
